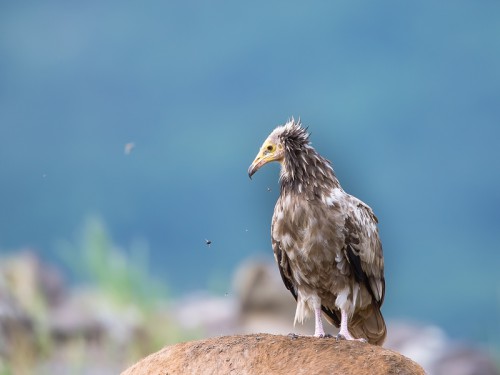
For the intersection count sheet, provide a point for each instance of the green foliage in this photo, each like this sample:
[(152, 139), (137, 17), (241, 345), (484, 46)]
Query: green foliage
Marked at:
[(121, 276), (4, 368)]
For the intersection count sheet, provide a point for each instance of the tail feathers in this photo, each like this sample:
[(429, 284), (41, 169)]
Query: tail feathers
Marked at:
[(332, 316), (370, 325)]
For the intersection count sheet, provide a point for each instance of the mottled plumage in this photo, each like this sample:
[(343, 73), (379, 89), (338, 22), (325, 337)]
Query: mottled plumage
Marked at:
[(325, 241)]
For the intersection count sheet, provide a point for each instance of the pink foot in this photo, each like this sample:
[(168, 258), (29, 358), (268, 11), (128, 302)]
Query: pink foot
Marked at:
[(348, 337)]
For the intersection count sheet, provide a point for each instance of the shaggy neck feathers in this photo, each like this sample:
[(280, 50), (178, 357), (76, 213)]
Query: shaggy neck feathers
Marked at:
[(303, 169)]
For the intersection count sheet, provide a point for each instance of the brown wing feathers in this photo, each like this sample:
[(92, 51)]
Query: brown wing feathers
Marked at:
[(284, 268)]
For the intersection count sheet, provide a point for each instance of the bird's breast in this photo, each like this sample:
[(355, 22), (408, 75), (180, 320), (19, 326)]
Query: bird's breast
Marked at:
[(311, 239)]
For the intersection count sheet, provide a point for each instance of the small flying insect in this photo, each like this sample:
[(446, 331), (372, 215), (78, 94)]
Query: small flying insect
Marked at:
[(128, 148)]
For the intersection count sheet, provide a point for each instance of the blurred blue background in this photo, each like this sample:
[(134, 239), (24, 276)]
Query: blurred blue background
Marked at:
[(403, 97)]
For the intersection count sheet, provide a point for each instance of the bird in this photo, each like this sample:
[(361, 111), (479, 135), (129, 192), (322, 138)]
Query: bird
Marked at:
[(325, 241)]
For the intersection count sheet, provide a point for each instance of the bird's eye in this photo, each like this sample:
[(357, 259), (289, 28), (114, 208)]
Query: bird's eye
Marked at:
[(270, 148)]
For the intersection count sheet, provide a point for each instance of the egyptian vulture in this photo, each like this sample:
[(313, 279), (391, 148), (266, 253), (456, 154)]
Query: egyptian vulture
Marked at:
[(325, 241)]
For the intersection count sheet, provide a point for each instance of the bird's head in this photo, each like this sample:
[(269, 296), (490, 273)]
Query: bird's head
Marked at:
[(281, 141)]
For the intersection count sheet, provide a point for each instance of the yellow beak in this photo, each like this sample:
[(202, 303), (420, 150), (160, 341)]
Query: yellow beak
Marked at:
[(265, 156), (259, 161)]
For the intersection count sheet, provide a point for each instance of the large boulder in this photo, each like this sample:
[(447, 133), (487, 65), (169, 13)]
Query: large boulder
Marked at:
[(272, 354)]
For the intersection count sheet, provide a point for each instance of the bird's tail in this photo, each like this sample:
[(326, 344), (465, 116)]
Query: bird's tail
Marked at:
[(370, 324)]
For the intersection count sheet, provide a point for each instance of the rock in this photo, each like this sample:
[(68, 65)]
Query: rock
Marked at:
[(90, 314), (17, 334), (423, 343), (265, 305), (35, 284), (465, 360), (437, 353), (259, 287), (270, 354), (210, 314)]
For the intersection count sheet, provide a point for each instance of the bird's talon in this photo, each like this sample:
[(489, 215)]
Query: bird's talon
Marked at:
[(324, 336), (293, 336), (340, 337)]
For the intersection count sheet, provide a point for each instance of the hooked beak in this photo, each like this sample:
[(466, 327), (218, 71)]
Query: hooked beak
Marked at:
[(269, 152), (264, 157), (257, 163)]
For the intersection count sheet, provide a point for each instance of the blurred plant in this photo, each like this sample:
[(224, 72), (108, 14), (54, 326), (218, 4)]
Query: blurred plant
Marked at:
[(4, 368), (24, 311), (122, 276), (114, 315)]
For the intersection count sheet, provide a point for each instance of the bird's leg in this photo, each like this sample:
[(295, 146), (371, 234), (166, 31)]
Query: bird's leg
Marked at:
[(344, 330), (318, 324), (344, 333)]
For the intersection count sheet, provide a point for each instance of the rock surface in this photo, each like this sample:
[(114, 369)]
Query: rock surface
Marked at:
[(272, 354)]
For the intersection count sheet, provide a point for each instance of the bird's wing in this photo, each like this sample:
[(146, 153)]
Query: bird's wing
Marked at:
[(363, 252), (284, 266), (363, 248)]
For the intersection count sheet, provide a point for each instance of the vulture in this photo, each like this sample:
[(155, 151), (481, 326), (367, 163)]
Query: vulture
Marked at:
[(325, 241)]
